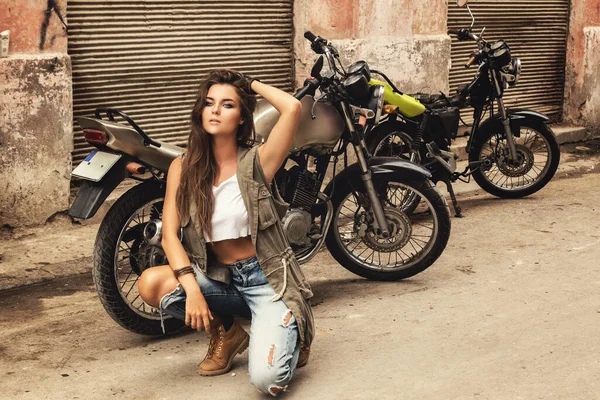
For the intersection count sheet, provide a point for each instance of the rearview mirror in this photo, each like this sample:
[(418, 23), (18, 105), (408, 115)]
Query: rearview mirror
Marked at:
[(461, 3), (316, 69)]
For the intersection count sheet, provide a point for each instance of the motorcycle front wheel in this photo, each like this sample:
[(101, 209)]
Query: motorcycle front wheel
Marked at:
[(121, 255), (417, 238), (538, 155)]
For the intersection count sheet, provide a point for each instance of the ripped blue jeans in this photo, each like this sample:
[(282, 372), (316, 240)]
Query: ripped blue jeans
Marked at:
[(273, 351)]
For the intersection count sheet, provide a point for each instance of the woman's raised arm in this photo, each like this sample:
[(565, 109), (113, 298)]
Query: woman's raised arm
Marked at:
[(275, 149)]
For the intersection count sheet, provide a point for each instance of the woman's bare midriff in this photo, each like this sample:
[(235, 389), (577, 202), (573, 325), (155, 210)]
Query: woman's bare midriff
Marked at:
[(231, 250)]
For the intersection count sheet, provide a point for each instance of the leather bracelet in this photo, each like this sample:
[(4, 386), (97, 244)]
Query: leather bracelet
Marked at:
[(184, 271)]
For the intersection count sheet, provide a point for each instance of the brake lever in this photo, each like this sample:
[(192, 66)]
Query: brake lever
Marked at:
[(316, 100)]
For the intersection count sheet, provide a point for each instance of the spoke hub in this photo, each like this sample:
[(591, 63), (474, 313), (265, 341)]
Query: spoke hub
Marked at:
[(521, 166), (400, 232)]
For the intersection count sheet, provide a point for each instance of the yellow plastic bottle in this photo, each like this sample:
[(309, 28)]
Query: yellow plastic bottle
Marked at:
[(407, 105)]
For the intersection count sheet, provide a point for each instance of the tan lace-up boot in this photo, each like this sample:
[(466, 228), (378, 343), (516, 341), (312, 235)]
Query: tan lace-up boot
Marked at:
[(224, 345), (303, 357)]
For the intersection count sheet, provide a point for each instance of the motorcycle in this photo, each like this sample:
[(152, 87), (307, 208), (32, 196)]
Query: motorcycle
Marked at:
[(358, 215), (512, 154)]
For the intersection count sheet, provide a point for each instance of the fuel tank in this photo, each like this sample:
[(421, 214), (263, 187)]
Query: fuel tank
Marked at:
[(320, 134), (407, 105)]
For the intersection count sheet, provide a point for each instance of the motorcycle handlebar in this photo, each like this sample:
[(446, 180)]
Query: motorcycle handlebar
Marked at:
[(470, 62), (462, 34), (302, 92), (310, 87), (318, 44), (310, 36)]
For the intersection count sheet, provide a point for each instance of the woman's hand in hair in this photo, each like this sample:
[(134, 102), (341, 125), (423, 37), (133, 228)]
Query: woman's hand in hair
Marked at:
[(274, 151), (197, 314)]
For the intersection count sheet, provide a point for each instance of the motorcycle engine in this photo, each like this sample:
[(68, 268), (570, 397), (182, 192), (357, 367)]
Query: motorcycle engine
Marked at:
[(300, 190), (296, 225)]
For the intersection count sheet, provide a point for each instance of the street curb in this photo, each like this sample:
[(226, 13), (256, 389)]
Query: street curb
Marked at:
[(560, 174)]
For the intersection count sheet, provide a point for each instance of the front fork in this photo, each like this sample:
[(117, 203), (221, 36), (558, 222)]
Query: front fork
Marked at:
[(510, 139), (366, 174)]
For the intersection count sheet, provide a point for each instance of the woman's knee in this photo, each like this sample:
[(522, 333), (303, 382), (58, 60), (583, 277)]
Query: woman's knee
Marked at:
[(153, 282), (270, 378)]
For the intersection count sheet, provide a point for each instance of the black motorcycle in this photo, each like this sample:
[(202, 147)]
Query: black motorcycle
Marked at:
[(512, 154), (359, 214)]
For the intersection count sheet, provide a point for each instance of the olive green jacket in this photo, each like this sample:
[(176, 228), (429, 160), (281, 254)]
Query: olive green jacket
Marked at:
[(265, 210)]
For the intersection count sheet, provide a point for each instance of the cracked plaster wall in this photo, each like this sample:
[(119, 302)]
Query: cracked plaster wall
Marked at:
[(36, 138), (582, 78), (36, 134), (590, 111)]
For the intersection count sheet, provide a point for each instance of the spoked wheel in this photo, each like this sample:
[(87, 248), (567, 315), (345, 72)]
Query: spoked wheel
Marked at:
[(538, 155), (121, 255), (417, 238), (391, 144)]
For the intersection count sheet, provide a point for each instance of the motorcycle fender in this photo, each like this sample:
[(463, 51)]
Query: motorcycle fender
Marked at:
[(516, 116), (382, 167), (92, 194)]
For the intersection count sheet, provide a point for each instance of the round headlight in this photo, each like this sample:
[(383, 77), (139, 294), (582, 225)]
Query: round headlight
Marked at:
[(512, 72), (516, 70), (376, 102)]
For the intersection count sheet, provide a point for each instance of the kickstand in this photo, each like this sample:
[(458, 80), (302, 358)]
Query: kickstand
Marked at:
[(457, 209)]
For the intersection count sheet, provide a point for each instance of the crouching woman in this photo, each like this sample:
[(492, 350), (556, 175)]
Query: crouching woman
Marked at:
[(234, 259)]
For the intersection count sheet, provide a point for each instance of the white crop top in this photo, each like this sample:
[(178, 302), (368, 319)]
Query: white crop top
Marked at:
[(230, 218)]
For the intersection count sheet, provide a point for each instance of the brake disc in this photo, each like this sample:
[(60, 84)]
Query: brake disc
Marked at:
[(521, 167), (400, 232)]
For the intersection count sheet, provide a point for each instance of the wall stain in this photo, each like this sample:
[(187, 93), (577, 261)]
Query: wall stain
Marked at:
[(52, 6)]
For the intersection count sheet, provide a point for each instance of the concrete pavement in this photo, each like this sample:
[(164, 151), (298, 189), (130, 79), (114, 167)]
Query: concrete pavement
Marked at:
[(509, 311)]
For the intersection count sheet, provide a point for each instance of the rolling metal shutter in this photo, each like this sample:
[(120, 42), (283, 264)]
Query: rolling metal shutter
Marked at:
[(147, 57), (536, 31)]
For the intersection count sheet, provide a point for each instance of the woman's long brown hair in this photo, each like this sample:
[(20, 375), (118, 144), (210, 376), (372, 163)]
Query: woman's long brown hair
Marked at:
[(199, 168)]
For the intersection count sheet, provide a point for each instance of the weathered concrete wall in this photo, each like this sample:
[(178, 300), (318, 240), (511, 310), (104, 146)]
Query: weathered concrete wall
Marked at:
[(36, 134), (36, 137), (590, 110), (405, 39), (582, 101)]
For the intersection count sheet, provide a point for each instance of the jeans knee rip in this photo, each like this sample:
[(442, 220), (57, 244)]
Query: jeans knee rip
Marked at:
[(287, 318), (271, 355), (275, 389), (160, 307)]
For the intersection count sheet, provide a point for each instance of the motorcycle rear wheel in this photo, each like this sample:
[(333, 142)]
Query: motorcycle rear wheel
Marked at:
[(418, 238), (539, 155), (121, 255)]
